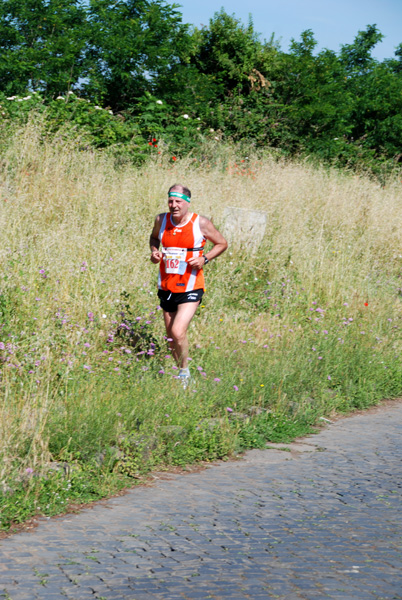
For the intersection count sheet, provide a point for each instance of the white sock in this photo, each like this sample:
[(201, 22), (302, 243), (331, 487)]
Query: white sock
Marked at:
[(184, 372)]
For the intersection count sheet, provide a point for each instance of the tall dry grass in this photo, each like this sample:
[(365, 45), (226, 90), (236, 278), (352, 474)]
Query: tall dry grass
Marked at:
[(75, 233), (61, 207)]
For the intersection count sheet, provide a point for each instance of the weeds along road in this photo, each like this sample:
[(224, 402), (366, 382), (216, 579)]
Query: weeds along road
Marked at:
[(320, 519)]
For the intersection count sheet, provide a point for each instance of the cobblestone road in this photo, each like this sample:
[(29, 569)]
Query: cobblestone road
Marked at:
[(321, 521)]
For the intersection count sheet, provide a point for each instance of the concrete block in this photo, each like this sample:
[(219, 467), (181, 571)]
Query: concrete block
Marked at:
[(243, 227)]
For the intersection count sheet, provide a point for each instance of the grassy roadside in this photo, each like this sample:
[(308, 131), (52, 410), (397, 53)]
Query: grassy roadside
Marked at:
[(306, 326)]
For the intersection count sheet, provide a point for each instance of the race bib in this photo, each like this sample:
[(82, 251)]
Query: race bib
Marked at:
[(175, 260)]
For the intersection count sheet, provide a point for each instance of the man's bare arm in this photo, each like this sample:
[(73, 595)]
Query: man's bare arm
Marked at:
[(210, 232), (154, 243)]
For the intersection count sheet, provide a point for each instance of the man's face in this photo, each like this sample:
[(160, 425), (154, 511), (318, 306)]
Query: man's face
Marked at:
[(178, 207)]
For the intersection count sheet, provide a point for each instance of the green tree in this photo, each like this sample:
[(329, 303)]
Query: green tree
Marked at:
[(228, 51), (377, 114), (357, 57), (311, 107), (41, 45), (218, 76), (131, 43), (376, 88)]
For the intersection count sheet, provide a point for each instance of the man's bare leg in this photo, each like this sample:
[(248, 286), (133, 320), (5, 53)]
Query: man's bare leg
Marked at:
[(176, 328), (169, 317)]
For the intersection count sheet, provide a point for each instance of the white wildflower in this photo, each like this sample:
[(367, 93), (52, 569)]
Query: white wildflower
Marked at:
[(185, 116), (60, 98), (27, 98), (110, 112), (212, 130), (98, 107), (159, 102), (12, 98)]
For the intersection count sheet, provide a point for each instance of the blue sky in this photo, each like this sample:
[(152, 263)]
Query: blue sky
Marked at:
[(334, 22)]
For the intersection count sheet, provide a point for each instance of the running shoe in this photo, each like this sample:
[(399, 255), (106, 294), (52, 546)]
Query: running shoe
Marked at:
[(184, 376)]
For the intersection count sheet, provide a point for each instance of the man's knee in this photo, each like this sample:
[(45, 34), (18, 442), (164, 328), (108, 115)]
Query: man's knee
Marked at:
[(178, 333)]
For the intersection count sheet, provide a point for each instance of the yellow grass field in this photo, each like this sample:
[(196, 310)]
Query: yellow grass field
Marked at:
[(307, 324)]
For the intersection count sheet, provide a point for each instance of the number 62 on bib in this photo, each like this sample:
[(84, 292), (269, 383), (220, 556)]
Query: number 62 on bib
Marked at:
[(175, 260)]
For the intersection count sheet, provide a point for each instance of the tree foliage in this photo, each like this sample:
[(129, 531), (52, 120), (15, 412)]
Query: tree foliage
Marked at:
[(42, 44), (131, 43), (172, 82)]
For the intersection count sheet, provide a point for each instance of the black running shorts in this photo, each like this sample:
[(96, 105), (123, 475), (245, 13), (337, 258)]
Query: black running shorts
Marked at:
[(171, 300)]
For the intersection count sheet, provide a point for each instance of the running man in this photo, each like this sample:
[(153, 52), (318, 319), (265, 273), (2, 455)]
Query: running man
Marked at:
[(182, 235)]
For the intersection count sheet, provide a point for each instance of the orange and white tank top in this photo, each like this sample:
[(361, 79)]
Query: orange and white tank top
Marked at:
[(179, 243)]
